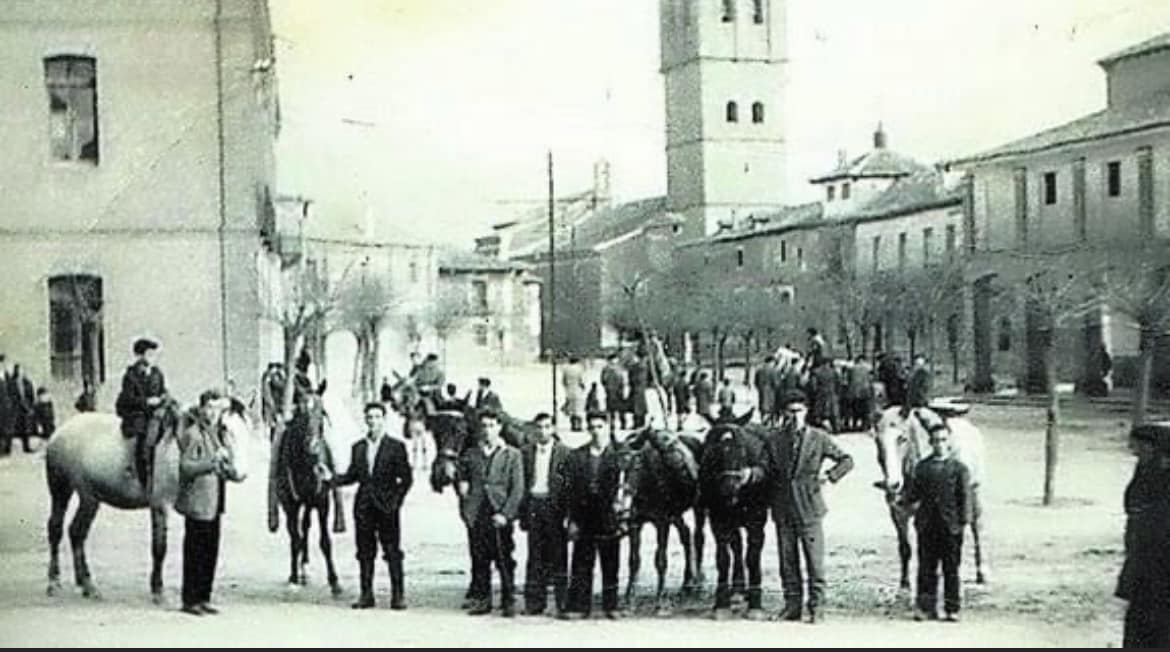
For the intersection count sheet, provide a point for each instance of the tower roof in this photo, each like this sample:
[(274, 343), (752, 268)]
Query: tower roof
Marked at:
[(879, 162)]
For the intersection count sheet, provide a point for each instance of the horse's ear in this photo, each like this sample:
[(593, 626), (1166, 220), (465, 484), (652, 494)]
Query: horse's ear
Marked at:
[(746, 418), (322, 387)]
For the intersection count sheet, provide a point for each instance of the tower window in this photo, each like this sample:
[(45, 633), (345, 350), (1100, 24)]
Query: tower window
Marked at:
[(783, 251), (73, 120), (739, 257), (732, 112), (758, 12), (831, 191), (758, 112), (1113, 172), (800, 258), (845, 188), (927, 244), (728, 11), (1049, 188), (902, 250)]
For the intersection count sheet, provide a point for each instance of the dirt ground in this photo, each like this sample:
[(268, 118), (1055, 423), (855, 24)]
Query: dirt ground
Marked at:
[(1052, 569)]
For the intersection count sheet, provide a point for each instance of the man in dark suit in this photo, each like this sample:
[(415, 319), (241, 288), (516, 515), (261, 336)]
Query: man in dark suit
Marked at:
[(918, 389), (23, 394), (486, 398), (542, 515), (1145, 577), (939, 492), (765, 390), (592, 480), (7, 409), (143, 390), (380, 467), (613, 380), (795, 457), (492, 488)]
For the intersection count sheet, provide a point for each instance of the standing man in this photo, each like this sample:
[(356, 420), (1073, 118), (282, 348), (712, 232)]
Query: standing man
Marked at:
[(7, 410), (573, 382), (704, 394), (200, 499), (639, 383), (1145, 577), (682, 395), (765, 389), (726, 399), (143, 391), (918, 389), (613, 380), (817, 349), (491, 490), (429, 378), (486, 398), (939, 494), (23, 394), (592, 480), (826, 406), (795, 457), (543, 516), (380, 467)]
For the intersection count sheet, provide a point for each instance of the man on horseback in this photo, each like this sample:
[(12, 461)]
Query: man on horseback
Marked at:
[(143, 391), (429, 378)]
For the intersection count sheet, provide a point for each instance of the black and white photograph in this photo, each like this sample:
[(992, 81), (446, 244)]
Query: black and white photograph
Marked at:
[(585, 323)]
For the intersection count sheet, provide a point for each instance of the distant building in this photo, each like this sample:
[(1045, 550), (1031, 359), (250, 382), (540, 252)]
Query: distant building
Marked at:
[(1101, 180), (138, 189), (503, 300)]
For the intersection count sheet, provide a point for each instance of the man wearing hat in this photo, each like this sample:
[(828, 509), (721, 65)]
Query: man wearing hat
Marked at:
[(795, 456), (143, 391), (485, 398), (1145, 577)]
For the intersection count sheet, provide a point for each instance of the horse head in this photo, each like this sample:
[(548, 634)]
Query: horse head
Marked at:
[(900, 440), (307, 449), (630, 469), (725, 456), (452, 436), (235, 432)]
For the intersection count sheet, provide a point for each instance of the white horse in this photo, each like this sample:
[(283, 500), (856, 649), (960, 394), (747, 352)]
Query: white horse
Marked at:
[(902, 441)]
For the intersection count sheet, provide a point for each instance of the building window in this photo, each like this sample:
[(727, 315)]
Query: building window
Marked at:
[(413, 272), (902, 251), (1049, 188), (877, 251), (1020, 185), (800, 258), (785, 297), (758, 112), (481, 335), (732, 112), (845, 190), (831, 192), (952, 236), (73, 118), (739, 257), (728, 11), (76, 337), (783, 251), (1113, 173), (1005, 335), (479, 296), (758, 12), (927, 245)]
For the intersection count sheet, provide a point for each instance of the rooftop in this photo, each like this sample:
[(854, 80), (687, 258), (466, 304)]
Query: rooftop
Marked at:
[(1160, 42)]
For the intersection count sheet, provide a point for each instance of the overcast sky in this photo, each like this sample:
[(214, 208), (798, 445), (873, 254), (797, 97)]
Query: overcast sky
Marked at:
[(423, 114)]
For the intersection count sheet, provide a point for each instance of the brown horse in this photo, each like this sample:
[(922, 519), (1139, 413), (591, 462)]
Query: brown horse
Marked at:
[(89, 456)]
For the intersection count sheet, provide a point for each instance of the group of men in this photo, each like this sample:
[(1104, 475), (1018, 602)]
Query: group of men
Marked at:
[(25, 411)]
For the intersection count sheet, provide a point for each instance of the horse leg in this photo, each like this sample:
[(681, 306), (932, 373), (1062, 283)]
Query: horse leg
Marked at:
[(305, 529), (662, 529), (292, 524), (684, 538), (977, 536), (158, 552), (755, 548), (738, 581), (722, 564), (78, 531), (60, 493), (902, 527), (699, 540), (635, 564), (327, 546)]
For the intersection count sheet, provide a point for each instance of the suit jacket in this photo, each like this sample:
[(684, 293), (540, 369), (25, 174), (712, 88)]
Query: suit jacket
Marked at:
[(383, 490), (592, 510), (795, 474), (487, 399), (918, 390), (499, 480), (942, 490), (1145, 575), (557, 472), (139, 383), (8, 406), (200, 496)]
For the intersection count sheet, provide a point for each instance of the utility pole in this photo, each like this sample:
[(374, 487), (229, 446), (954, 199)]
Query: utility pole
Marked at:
[(552, 281)]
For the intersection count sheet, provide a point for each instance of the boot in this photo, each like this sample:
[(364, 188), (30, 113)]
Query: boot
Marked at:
[(397, 586), (366, 600)]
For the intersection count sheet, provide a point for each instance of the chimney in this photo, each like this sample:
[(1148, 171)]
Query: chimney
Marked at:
[(601, 189), (879, 137), (842, 159)]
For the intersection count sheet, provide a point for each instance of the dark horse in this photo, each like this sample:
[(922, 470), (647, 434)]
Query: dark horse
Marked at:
[(301, 489), (658, 482), (733, 489)]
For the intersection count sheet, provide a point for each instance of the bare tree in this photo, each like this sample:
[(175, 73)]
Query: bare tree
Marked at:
[(448, 314), (365, 304), (1057, 289), (1136, 283), (923, 296)]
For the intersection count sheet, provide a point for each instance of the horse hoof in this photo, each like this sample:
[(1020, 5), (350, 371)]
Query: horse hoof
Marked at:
[(53, 590), (756, 615), (722, 614), (980, 578), (90, 591), (159, 600), (337, 591)]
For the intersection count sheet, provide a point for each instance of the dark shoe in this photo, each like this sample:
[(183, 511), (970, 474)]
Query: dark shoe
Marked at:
[(573, 615), (479, 608), (613, 615), (533, 611), (208, 609), (815, 616), (922, 615), (398, 603), (790, 614), (364, 602), (192, 609), (952, 617), (508, 611)]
